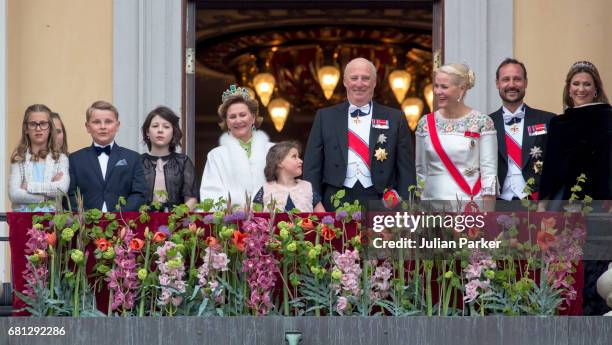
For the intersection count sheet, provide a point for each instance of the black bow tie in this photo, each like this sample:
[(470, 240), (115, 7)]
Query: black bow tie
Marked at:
[(358, 112), (106, 149), (513, 121)]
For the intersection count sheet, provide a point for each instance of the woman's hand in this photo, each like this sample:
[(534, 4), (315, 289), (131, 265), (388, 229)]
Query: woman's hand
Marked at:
[(57, 177)]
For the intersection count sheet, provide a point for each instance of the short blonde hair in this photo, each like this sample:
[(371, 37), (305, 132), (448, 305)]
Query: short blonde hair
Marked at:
[(251, 104), (461, 74)]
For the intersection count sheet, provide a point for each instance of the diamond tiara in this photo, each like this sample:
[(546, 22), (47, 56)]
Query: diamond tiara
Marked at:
[(583, 64), (235, 90)]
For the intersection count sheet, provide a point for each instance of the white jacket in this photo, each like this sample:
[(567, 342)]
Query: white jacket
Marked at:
[(37, 191), (228, 169)]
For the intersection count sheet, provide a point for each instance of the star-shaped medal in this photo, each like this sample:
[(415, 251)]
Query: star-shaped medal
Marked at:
[(535, 152), (382, 139), (380, 154)]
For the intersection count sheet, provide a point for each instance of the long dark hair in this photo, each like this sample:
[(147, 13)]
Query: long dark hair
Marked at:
[(64, 148), (587, 67), (275, 156)]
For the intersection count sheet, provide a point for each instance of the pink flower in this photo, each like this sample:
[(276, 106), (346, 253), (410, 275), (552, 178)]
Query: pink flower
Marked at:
[(341, 305)]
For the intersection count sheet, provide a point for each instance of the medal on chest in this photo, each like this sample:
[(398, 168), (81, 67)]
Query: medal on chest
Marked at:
[(514, 128), (356, 120)]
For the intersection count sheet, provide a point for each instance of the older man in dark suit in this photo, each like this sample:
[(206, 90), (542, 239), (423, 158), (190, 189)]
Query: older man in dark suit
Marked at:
[(359, 145), (521, 134), (104, 171)]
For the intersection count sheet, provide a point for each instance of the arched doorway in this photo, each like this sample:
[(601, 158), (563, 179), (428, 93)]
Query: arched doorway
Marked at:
[(292, 41)]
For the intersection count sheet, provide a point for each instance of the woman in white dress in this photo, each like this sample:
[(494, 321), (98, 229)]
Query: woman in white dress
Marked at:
[(236, 166), (456, 159)]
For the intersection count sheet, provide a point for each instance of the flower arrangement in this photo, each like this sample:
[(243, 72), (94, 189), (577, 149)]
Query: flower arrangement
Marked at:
[(232, 262)]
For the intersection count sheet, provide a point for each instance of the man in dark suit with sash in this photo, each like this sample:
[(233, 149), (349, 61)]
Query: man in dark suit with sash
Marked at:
[(104, 171), (359, 145), (521, 134)]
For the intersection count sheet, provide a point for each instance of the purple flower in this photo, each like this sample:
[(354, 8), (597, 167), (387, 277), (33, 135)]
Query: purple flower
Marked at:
[(228, 218), (209, 219), (68, 221), (164, 229), (186, 222), (507, 221), (341, 215), (327, 220), (239, 215), (170, 277), (122, 279), (357, 216)]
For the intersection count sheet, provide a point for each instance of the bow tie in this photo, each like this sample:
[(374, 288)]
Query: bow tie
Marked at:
[(106, 149), (356, 111), (511, 119)]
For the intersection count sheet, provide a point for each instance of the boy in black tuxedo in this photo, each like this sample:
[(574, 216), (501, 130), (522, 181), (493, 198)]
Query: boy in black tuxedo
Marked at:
[(521, 134), (104, 171)]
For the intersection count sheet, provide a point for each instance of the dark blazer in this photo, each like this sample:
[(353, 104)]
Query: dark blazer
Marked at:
[(532, 117), (326, 157), (179, 175), (124, 177)]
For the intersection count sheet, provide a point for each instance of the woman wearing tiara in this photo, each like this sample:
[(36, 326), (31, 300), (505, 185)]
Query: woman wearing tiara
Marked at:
[(579, 139), (236, 166), (456, 147)]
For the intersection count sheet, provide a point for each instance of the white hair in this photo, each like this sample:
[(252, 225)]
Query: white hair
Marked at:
[(360, 59)]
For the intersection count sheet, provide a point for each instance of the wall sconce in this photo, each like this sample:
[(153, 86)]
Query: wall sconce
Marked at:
[(328, 79), (264, 86), (413, 108), (279, 110), (399, 80), (428, 92)]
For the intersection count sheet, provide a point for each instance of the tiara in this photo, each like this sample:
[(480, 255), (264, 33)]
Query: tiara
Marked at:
[(583, 64), (234, 90)]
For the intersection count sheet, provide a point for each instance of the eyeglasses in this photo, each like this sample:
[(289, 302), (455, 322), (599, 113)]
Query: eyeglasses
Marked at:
[(44, 125)]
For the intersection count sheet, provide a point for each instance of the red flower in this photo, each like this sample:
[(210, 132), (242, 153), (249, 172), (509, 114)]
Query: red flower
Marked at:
[(238, 240), (391, 198), (159, 237), (328, 233), (545, 240), (211, 241), (51, 239), (307, 224), (136, 244), (548, 223), (473, 232), (102, 244)]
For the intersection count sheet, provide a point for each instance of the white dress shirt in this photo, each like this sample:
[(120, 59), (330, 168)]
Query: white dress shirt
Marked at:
[(514, 184), (103, 160), (356, 169)]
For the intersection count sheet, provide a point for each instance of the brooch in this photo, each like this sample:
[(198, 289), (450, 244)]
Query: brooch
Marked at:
[(535, 152), (380, 154), (381, 139)]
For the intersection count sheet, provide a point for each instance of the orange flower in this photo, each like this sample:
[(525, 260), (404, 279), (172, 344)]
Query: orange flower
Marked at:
[(192, 227), (51, 239), (545, 240), (238, 240), (328, 233), (136, 244), (548, 223), (211, 241), (102, 244), (159, 237), (307, 224)]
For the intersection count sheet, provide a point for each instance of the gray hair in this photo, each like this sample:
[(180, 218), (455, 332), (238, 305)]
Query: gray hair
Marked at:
[(360, 59)]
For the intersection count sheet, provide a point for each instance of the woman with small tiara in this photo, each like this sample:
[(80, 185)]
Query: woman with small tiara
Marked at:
[(579, 140), (456, 147), (236, 166)]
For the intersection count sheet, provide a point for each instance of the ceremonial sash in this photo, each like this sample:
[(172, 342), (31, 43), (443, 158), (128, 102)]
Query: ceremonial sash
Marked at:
[(514, 151), (452, 169), (357, 145)]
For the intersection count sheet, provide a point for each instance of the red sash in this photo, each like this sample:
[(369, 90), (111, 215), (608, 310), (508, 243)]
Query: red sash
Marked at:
[(514, 151), (452, 169), (359, 146)]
